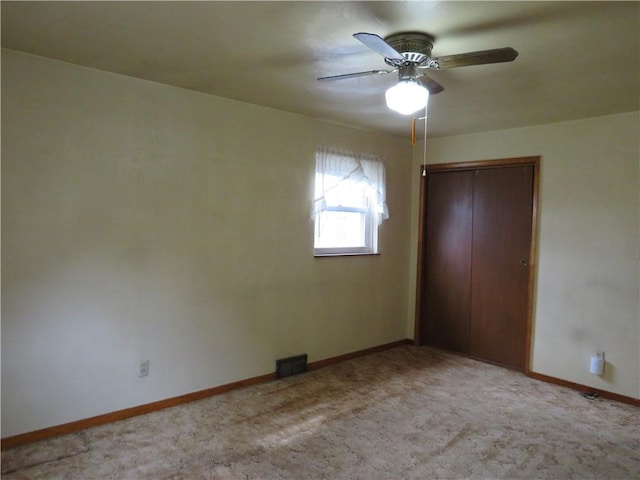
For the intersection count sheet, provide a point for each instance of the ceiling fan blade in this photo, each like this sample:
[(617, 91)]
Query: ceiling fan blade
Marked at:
[(357, 74), (481, 57), (378, 45), (430, 84)]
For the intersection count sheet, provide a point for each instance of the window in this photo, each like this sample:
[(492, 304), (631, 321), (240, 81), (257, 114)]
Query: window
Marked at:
[(349, 202)]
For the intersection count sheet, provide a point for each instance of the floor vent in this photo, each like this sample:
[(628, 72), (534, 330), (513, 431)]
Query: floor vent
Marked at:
[(285, 367)]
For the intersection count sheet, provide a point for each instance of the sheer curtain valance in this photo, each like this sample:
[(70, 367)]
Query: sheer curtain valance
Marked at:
[(335, 167)]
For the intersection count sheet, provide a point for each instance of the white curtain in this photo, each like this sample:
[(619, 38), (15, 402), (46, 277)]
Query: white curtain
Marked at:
[(333, 167)]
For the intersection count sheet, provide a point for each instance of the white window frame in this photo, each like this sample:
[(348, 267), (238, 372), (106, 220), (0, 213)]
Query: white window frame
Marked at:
[(374, 212), (370, 234)]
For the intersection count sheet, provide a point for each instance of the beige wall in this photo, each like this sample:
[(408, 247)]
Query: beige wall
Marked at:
[(588, 288), (142, 221)]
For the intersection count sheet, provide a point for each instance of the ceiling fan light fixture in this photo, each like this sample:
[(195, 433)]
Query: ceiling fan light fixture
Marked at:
[(407, 96)]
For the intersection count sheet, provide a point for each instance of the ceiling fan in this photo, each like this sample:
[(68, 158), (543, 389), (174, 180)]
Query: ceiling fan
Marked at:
[(409, 53)]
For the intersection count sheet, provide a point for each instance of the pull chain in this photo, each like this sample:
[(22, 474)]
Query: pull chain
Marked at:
[(424, 155)]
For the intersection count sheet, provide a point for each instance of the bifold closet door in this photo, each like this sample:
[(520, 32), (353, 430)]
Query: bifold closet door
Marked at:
[(502, 210), (449, 206), (476, 271)]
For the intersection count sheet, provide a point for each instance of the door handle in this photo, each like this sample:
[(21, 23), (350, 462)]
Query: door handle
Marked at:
[(524, 263)]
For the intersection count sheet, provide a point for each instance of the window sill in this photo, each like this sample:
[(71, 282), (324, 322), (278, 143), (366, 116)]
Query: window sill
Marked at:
[(320, 255)]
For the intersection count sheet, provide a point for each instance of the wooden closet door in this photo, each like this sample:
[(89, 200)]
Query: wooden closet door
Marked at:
[(502, 210), (449, 205)]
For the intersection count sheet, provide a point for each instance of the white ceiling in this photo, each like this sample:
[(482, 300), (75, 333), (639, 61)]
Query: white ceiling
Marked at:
[(576, 59)]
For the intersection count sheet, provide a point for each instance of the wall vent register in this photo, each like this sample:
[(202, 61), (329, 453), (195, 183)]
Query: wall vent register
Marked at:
[(286, 367)]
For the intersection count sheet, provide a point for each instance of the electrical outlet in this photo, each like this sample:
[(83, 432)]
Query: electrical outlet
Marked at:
[(144, 368)]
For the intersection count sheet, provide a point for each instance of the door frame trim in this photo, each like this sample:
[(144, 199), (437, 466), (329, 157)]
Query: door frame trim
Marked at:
[(533, 161)]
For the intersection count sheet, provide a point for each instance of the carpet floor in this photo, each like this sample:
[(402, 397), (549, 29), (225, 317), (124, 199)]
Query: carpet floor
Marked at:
[(405, 413)]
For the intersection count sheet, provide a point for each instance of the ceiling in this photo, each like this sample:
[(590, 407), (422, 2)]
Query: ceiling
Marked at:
[(576, 59)]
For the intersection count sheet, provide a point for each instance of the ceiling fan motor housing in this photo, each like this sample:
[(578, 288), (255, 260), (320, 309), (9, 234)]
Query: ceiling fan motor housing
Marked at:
[(415, 47)]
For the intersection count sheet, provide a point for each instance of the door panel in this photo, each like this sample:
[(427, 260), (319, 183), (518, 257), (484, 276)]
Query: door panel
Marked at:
[(502, 210), (449, 203)]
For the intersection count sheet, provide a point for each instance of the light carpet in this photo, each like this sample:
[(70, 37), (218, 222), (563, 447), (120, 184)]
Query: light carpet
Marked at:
[(406, 413)]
